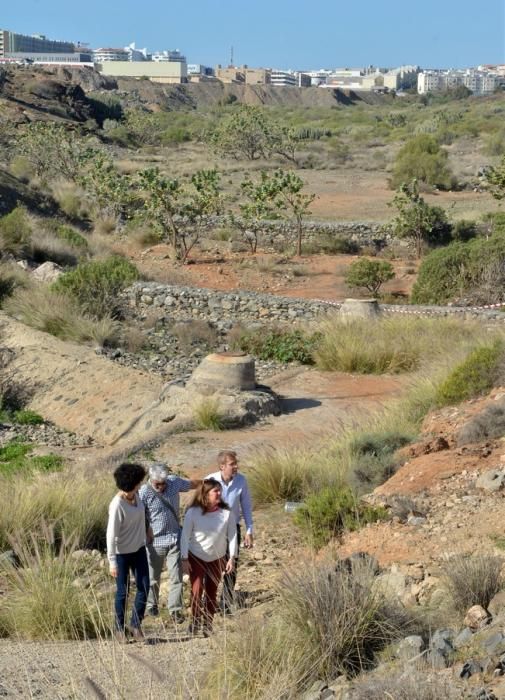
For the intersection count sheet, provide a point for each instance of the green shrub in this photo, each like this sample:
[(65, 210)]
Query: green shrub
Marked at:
[(473, 579), (15, 231), (26, 417), (331, 245), (422, 159), (278, 344), (464, 230), (474, 376), (15, 457), (70, 235), (373, 458), (96, 285), (175, 134), (331, 512)]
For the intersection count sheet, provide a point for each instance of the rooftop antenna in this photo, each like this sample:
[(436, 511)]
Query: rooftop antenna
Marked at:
[(231, 57)]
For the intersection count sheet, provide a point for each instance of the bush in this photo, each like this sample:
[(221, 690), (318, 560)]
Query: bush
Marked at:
[(369, 274), (474, 376), (331, 245), (373, 458), (95, 286), (486, 425), (195, 332), (340, 619), (331, 512), (42, 600), (15, 232), (71, 200), (60, 316), (70, 235), (278, 344), (26, 417), (207, 414), (422, 159), (12, 277), (15, 457), (464, 230), (473, 579)]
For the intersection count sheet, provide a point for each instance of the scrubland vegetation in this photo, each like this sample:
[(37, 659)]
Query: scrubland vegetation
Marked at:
[(248, 165)]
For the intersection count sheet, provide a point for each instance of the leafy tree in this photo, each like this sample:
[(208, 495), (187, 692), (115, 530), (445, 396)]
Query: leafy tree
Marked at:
[(180, 211), (249, 133), (416, 219), (110, 192), (422, 159), (53, 150), (369, 274), (257, 206), (494, 177), (286, 190)]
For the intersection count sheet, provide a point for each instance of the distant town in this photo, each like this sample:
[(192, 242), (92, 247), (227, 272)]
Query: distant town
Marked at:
[(171, 66)]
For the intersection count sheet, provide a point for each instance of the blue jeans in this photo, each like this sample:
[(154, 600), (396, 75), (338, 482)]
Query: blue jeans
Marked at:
[(137, 563)]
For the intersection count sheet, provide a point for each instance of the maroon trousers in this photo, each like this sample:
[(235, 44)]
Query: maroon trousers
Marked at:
[(205, 577)]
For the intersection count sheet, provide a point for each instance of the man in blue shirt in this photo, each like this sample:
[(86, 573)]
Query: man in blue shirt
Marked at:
[(235, 492), (161, 500)]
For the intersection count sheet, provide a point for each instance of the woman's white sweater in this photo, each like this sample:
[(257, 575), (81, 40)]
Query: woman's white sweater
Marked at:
[(126, 529), (207, 535)]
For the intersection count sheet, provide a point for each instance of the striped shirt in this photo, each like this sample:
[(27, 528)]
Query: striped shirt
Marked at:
[(164, 524)]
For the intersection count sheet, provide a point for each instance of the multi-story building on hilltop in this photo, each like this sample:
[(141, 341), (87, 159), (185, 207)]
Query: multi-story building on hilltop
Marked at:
[(172, 56), (480, 82), (103, 55), (37, 49)]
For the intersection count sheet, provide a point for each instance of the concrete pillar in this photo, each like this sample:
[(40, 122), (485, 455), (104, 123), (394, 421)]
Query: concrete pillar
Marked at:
[(224, 370), (361, 308)]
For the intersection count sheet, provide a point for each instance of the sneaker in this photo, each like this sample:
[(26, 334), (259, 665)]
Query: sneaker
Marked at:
[(207, 630), (120, 637), (177, 617), (153, 612)]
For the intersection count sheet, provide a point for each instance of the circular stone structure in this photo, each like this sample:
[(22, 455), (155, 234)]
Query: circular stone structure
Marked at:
[(360, 308), (228, 371)]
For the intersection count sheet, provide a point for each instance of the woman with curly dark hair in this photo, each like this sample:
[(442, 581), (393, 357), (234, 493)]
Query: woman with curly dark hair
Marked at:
[(209, 529), (126, 548)]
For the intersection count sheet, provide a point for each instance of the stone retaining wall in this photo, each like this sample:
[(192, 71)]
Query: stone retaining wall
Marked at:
[(226, 308)]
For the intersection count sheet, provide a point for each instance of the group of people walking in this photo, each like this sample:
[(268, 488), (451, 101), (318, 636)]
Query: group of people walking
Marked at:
[(143, 532)]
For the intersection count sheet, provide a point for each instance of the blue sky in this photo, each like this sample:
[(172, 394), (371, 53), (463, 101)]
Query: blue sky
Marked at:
[(280, 33)]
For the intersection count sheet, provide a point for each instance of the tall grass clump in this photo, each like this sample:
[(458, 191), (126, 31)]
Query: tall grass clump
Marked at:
[(474, 376), (15, 231), (61, 316), (340, 618), (258, 662), (405, 684), (389, 345), (207, 414), (42, 600), (473, 579), (68, 502), (12, 277), (95, 285)]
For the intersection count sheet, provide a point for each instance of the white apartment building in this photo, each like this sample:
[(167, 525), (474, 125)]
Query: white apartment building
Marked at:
[(135, 54), (104, 55), (174, 56), (479, 82), (281, 78)]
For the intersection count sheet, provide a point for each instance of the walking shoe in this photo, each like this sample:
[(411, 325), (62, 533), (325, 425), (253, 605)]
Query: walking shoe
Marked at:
[(193, 629), (177, 617), (207, 629), (153, 612), (137, 634), (120, 637)]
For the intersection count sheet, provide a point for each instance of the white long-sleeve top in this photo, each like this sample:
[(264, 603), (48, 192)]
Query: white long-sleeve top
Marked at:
[(207, 535), (126, 527), (236, 494)]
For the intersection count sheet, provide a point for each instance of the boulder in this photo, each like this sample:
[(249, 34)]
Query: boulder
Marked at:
[(492, 480), (47, 272), (476, 617)]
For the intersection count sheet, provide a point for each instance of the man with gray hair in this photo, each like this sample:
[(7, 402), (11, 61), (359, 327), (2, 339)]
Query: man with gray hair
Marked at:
[(161, 500)]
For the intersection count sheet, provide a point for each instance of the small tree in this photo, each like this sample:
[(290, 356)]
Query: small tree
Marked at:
[(53, 150), (494, 177), (109, 192), (369, 274), (257, 206), (286, 191), (249, 133), (180, 211), (416, 219)]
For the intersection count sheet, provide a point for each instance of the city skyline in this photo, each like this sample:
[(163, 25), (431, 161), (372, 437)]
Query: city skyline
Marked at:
[(297, 34)]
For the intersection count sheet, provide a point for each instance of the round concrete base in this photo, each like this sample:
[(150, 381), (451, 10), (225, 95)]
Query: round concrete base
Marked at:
[(225, 370), (360, 308)]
